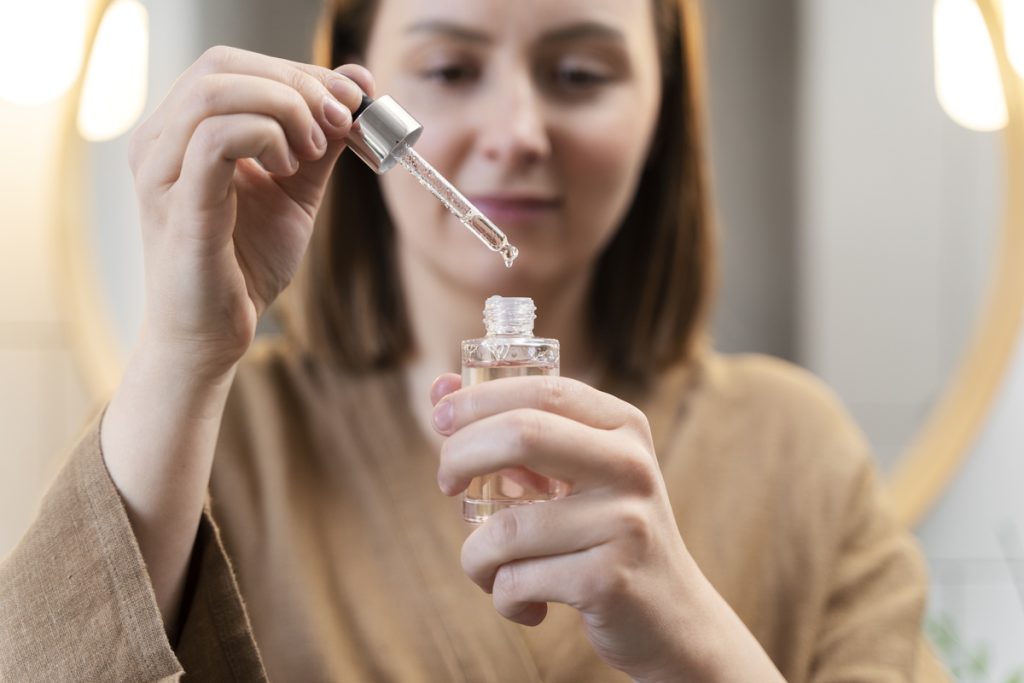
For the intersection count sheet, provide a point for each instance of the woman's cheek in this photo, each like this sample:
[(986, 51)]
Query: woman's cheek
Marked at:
[(603, 180)]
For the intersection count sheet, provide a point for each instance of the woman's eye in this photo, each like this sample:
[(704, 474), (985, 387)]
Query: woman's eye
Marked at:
[(580, 77), (450, 74)]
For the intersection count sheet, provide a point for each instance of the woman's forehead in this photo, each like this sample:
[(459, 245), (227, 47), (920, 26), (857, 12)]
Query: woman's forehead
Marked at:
[(529, 19)]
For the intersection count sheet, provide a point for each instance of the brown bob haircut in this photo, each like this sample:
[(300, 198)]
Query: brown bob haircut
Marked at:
[(652, 283)]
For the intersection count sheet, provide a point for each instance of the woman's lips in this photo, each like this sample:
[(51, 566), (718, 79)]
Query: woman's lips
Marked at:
[(514, 209)]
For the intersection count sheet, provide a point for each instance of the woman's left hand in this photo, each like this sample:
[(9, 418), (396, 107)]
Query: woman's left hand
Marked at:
[(610, 548)]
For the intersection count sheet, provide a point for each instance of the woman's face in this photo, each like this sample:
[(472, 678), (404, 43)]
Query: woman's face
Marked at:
[(540, 111)]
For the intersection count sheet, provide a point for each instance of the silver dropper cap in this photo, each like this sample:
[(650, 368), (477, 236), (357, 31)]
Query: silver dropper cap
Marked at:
[(380, 127)]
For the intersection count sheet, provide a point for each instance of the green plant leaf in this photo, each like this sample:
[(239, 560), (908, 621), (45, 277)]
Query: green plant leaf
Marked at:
[(979, 662)]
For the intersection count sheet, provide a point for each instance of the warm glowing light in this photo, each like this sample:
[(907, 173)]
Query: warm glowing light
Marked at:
[(41, 45), (966, 72), (1013, 21), (114, 93)]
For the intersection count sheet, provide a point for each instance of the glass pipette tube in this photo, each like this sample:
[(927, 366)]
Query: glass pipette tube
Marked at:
[(481, 226)]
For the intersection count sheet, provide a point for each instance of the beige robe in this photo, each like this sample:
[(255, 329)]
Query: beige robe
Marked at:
[(335, 557)]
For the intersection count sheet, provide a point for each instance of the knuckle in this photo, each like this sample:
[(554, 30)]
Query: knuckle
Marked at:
[(634, 524), (297, 109), (207, 94), (216, 58), (272, 130), (528, 430), (208, 135), (300, 81), (553, 394), (507, 582), (639, 471), (638, 420), (504, 527)]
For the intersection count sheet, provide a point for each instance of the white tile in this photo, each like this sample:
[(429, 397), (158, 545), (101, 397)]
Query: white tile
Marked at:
[(981, 601)]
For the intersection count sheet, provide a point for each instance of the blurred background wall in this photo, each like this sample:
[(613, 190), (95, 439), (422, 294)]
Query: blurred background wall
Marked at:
[(859, 229), (847, 200)]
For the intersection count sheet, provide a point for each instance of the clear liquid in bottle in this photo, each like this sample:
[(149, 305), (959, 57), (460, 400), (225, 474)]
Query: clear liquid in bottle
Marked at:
[(508, 350)]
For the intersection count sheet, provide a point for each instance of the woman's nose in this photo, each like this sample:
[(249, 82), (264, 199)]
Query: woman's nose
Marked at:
[(513, 129)]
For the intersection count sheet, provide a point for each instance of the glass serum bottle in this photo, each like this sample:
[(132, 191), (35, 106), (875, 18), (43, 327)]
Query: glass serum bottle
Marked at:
[(509, 349)]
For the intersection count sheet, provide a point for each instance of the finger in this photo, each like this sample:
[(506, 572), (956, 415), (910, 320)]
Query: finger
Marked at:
[(559, 395), (313, 82), (444, 385), (224, 94), (561, 448), (307, 187), (519, 587), (317, 85), (524, 613), (556, 527), (361, 76), (219, 142)]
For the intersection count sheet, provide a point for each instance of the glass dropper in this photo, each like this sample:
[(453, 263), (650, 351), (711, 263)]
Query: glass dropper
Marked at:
[(479, 224), (383, 134)]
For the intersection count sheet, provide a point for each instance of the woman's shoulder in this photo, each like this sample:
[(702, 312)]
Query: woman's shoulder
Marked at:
[(776, 389), (755, 377), (777, 412)]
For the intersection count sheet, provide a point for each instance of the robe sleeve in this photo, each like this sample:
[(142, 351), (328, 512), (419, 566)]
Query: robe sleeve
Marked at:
[(871, 626), (77, 604)]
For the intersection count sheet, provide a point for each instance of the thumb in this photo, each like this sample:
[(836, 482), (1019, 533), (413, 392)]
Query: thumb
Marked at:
[(444, 385)]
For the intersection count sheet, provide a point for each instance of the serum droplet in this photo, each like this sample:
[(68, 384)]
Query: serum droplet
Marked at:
[(509, 253)]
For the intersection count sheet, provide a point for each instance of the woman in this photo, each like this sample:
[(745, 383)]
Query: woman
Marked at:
[(724, 521)]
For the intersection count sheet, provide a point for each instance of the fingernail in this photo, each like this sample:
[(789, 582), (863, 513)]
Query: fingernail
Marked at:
[(443, 416), (319, 139), (336, 114), (344, 89)]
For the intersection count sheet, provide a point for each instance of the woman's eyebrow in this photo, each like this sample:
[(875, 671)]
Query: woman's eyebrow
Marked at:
[(449, 29), (578, 31), (582, 30)]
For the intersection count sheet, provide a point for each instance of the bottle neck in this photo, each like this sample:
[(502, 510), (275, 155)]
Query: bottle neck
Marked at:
[(509, 316)]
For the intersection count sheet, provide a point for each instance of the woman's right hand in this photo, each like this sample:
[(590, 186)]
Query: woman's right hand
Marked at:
[(230, 171)]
